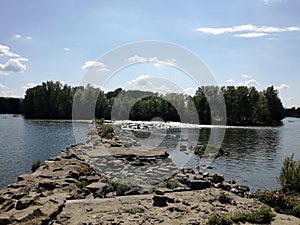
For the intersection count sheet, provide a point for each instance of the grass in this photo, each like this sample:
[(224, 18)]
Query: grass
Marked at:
[(282, 202), (289, 177), (82, 184), (263, 215), (171, 184), (107, 131), (225, 198)]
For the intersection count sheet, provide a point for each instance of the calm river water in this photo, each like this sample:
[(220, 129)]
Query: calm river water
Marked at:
[(256, 154)]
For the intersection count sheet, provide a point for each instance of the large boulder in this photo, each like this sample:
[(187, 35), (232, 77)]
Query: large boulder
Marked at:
[(199, 184)]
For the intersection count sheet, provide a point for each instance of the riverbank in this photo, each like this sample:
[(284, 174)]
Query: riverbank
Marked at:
[(71, 189)]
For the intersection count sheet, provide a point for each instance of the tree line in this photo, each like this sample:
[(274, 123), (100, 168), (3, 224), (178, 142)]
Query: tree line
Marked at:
[(244, 105), (11, 105)]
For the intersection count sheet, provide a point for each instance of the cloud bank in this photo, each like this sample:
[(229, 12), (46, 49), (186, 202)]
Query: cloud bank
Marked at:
[(247, 30)]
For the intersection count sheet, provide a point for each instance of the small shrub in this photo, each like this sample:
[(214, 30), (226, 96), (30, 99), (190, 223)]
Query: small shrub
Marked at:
[(82, 184), (172, 184), (35, 165), (107, 131), (219, 220), (99, 121), (289, 177), (119, 187), (281, 202), (263, 215), (225, 198)]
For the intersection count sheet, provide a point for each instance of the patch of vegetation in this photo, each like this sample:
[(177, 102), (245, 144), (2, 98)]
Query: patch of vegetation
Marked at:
[(121, 187), (263, 215), (282, 202), (219, 220), (171, 184), (35, 165), (107, 131), (99, 121), (135, 210), (83, 171), (82, 184), (289, 177), (225, 198)]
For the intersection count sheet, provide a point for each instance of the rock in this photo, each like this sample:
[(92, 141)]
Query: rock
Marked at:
[(159, 192), (48, 185), (198, 177), (4, 220), (24, 203), (92, 179), (225, 186), (99, 186), (9, 205), (45, 176), (2, 200), (199, 184), (17, 196), (217, 178), (73, 174), (243, 188), (160, 200)]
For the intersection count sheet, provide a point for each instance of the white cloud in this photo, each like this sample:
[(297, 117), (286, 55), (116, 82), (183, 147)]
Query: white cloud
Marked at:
[(290, 99), (282, 87), (267, 2), (137, 58), (190, 91), (251, 35), (230, 81), (67, 49), (13, 65), (4, 51), (2, 86), (95, 65), (19, 36), (140, 81), (251, 82), (146, 82), (153, 60), (29, 85), (251, 30), (246, 76)]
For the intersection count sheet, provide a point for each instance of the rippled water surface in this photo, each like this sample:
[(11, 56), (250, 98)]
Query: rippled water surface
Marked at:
[(24, 141), (255, 159)]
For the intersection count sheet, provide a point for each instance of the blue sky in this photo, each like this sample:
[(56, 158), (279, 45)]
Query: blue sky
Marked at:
[(249, 42)]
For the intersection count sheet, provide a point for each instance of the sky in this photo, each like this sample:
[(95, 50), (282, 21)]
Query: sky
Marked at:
[(249, 42)]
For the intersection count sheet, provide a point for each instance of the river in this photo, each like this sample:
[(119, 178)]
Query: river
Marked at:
[(255, 159)]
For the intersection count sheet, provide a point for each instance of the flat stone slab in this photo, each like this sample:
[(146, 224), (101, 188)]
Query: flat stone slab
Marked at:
[(101, 151), (192, 207)]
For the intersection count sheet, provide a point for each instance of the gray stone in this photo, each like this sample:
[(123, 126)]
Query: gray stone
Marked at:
[(23, 203), (96, 187), (199, 184), (160, 200), (48, 185), (217, 178), (4, 220)]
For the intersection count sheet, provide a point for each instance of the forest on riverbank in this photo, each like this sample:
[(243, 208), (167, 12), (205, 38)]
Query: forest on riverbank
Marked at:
[(244, 105)]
